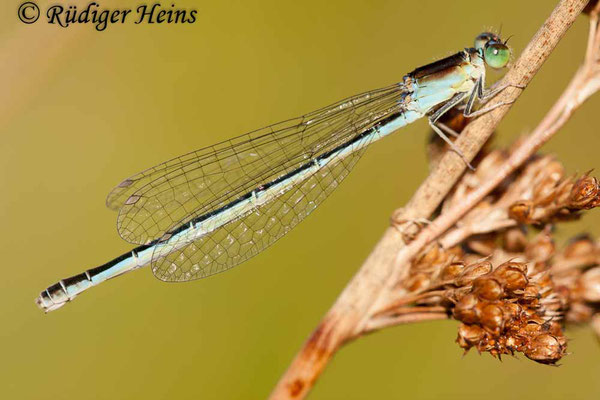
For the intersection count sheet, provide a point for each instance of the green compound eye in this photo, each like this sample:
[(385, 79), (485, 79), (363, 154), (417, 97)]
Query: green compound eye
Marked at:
[(496, 54), (484, 38)]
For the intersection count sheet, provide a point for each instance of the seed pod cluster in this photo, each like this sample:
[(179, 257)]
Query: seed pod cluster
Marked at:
[(576, 273), (498, 270), (505, 312), (557, 201), (518, 305)]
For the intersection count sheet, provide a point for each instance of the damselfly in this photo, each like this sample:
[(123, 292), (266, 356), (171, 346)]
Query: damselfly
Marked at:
[(209, 210)]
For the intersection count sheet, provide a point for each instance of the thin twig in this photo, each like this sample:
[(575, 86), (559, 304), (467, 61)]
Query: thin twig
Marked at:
[(406, 318), (397, 305), (351, 312), (456, 236)]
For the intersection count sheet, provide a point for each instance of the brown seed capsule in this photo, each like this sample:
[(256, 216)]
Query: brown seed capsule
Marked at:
[(469, 335), (531, 292), (513, 275), (590, 284), (594, 203), (521, 211), (487, 288), (466, 310), (512, 343), (555, 330), (451, 271), (512, 311), (579, 313), (544, 348), (580, 245), (584, 192), (543, 282), (531, 328), (542, 248), (473, 272), (492, 318), (521, 266), (431, 256), (514, 240), (418, 282)]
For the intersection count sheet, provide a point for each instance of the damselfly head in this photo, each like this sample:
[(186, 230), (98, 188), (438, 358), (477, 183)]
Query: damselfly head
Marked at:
[(483, 38), (494, 51)]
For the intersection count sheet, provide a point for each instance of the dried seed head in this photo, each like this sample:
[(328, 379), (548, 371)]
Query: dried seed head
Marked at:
[(579, 313), (531, 293), (473, 272), (532, 326), (418, 282), (466, 309), (452, 271), (590, 284), (544, 283), (579, 246), (545, 348), (492, 318), (433, 255), (542, 248), (539, 178), (584, 194), (487, 288), (469, 335), (518, 306), (513, 275), (514, 240), (521, 211), (512, 311)]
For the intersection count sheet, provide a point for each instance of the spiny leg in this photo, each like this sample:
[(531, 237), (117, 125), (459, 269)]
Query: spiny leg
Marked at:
[(453, 147), (478, 93), (447, 129), (487, 95), (486, 109), (433, 120)]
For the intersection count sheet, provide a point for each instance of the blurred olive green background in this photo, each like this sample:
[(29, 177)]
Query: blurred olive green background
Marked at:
[(81, 110)]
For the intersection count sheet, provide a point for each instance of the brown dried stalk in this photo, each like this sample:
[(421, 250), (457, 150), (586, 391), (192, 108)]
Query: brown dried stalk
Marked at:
[(375, 284)]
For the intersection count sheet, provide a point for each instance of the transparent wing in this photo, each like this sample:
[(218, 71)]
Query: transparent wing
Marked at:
[(248, 235), (155, 201)]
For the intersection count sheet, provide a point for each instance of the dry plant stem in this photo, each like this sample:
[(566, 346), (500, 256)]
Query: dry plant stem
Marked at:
[(395, 306), (407, 318), (350, 314), (456, 236)]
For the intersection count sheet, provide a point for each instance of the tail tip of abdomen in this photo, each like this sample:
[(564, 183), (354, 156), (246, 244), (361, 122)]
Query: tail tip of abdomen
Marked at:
[(46, 307), (50, 300)]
